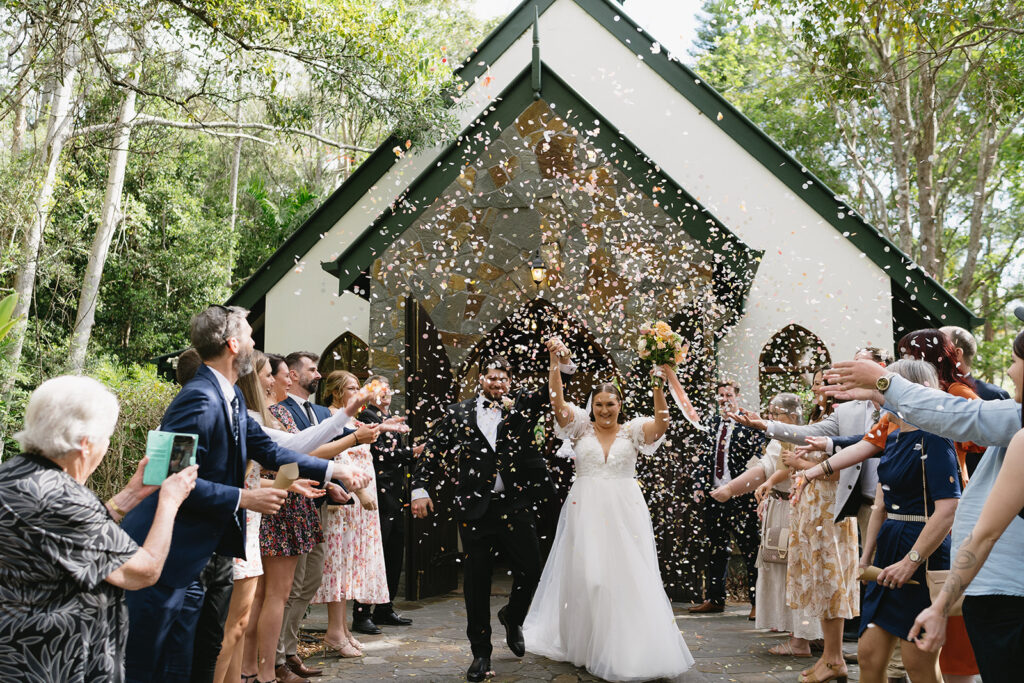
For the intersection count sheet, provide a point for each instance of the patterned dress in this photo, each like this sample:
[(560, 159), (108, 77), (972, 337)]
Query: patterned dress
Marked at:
[(823, 559), (354, 558), (295, 529), (60, 621), (772, 610)]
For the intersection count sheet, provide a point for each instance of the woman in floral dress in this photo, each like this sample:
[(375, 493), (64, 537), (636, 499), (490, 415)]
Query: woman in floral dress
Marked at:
[(354, 560), (822, 576)]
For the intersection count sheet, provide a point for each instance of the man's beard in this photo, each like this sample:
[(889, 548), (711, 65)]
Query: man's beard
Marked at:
[(311, 386), (494, 394), (243, 364)]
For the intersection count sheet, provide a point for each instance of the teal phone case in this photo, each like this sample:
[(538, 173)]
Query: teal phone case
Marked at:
[(159, 447)]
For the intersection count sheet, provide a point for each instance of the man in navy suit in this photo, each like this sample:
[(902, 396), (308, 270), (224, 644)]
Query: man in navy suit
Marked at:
[(305, 380), (210, 528)]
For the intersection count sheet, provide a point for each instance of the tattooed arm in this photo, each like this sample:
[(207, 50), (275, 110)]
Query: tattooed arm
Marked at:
[(1004, 503)]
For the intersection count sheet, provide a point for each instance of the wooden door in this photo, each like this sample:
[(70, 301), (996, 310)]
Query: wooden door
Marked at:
[(432, 550)]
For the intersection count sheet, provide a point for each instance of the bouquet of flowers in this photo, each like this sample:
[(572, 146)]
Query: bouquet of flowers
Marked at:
[(660, 345)]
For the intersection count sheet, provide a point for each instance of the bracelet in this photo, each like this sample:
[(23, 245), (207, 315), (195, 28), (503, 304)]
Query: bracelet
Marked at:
[(355, 435), (116, 509), (826, 467)]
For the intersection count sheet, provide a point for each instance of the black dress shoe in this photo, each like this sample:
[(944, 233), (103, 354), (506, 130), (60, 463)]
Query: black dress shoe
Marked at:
[(391, 618), (480, 669), (365, 625), (513, 634)]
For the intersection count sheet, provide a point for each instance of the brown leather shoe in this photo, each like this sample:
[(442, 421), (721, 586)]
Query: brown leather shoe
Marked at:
[(286, 675), (753, 614), (707, 607), (299, 667)]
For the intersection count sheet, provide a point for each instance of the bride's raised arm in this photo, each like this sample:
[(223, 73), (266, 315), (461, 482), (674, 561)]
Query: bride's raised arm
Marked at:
[(562, 414), (656, 428)]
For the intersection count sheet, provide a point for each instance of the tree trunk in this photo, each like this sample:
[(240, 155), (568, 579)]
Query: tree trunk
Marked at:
[(110, 216), (924, 155), (898, 116), (20, 125), (58, 130), (236, 158), (986, 162)]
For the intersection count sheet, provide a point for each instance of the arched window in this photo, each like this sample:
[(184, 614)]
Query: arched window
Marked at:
[(788, 362), (347, 352)]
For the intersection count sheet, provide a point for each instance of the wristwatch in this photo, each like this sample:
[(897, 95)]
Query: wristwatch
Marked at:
[(883, 382), (915, 557)]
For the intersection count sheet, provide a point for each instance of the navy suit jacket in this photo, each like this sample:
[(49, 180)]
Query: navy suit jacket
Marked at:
[(989, 392), (210, 520), (299, 414)]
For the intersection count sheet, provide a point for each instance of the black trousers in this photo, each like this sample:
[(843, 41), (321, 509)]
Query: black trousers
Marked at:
[(392, 534), (217, 581), (995, 627), (515, 534), (738, 518)]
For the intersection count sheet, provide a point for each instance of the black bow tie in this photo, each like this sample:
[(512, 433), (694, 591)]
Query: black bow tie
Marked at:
[(492, 403)]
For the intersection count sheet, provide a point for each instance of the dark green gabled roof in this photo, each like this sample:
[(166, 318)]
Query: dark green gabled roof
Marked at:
[(906, 276)]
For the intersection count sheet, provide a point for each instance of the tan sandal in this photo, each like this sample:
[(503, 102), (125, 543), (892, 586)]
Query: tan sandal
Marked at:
[(345, 649), (786, 650)]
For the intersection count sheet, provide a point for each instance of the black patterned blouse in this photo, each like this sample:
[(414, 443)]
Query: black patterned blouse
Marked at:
[(59, 619)]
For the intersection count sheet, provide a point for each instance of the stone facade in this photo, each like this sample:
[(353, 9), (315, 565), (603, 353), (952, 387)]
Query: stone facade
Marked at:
[(614, 259)]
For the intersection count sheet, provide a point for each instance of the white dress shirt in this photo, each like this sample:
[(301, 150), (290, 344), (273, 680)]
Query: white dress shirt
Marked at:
[(727, 475), (314, 420)]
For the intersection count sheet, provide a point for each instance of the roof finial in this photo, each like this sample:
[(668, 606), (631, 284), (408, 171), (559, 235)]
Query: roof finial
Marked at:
[(536, 53)]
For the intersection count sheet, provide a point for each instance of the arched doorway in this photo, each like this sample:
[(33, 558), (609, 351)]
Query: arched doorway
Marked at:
[(347, 352), (788, 362)]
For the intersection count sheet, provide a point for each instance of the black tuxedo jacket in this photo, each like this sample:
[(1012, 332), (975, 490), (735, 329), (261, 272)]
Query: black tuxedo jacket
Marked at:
[(457, 444), (391, 457), (746, 443)]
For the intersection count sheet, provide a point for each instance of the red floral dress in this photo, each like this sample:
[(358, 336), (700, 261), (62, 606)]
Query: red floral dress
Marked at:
[(295, 529)]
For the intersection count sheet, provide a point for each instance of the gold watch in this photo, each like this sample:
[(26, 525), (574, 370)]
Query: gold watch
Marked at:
[(883, 382)]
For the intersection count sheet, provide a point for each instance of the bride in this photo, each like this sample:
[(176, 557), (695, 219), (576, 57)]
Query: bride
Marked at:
[(600, 602)]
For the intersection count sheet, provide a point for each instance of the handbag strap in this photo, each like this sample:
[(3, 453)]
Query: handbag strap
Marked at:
[(924, 487)]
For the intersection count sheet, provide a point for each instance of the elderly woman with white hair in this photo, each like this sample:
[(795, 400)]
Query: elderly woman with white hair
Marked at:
[(64, 561)]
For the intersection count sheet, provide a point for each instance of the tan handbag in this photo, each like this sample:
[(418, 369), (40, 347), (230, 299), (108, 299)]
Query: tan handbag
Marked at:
[(937, 577), (774, 540)]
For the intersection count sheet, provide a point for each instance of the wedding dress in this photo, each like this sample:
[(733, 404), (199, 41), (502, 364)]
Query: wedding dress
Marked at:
[(600, 603)]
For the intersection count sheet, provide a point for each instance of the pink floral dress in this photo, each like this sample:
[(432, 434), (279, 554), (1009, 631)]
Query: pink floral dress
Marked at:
[(354, 562)]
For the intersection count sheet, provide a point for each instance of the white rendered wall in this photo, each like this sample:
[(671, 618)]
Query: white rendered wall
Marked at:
[(811, 275)]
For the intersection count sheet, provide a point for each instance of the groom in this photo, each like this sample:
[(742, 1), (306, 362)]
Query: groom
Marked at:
[(499, 476)]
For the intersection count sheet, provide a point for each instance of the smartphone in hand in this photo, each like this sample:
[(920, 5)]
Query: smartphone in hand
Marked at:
[(169, 453)]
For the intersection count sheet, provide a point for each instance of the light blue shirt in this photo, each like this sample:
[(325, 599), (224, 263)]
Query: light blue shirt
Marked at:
[(989, 423)]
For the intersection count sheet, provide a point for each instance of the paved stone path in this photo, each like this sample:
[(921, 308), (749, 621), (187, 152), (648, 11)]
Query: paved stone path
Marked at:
[(434, 648)]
